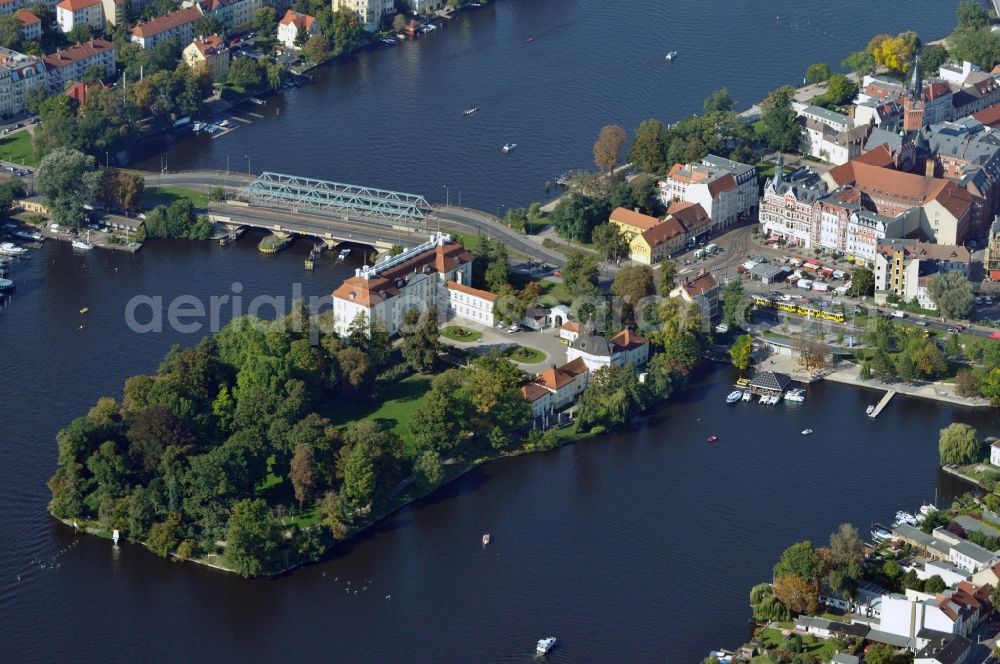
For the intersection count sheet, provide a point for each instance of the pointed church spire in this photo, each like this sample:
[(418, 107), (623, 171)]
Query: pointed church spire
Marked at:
[(916, 81)]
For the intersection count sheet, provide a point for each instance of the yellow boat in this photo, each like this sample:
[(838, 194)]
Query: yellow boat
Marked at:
[(84, 310)]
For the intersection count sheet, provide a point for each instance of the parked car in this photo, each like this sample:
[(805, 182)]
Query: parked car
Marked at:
[(513, 328), (952, 329), (921, 323)]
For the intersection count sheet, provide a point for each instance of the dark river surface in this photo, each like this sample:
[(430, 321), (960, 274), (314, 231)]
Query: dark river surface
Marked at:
[(392, 117), (637, 546)]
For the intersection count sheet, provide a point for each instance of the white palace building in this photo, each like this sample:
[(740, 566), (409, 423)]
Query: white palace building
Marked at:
[(435, 273)]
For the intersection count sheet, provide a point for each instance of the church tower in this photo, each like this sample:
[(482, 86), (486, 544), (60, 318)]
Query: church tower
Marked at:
[(913, 101)]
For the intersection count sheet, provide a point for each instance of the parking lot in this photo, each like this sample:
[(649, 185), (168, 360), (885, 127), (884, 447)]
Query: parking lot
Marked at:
[(493, 338)]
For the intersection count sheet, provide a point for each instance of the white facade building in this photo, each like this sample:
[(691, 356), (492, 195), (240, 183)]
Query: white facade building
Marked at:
[(723, 189), (70, 64), (597, 352), (370, 11), (73, 13)]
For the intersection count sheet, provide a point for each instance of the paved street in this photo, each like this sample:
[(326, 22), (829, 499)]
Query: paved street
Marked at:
[(546, 341)]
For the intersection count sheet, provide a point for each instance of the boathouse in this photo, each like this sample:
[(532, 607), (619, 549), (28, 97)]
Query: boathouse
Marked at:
[(769, 383)]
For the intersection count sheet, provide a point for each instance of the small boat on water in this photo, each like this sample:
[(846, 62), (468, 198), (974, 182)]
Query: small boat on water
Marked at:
[(81, 244), (344, 253), (486, 539), (712, 439), (870, 409), (734, 396), (469, 111), (508, 147), (806, 432), (795, 394), (11, 249), (530, 39), (880, 533), (670, 56), (84, 310), (545, 645), (905, 517), (928, 508), (28, 235), (747, 396)]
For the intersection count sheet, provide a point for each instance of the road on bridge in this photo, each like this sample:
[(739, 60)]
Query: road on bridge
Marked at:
[(461, 219)]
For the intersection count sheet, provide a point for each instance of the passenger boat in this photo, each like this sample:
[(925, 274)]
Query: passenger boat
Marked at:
[(734, 396), (712, 439), (905, 517), (795, 394), (344, 253), (6, 285), (870, 409), (11, 249), (486, 539), (670, 56), (927, 509), (508, 147), (469, 111), (545, 645), (880, 533), (806, 432)]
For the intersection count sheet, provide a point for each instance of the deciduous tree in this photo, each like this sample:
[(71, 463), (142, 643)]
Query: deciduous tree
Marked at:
[(649, 147), (739, 352), (799, 595), (957, 444), (952, 293), (818, 72), (249, 541), (303, 472), (609, 146)]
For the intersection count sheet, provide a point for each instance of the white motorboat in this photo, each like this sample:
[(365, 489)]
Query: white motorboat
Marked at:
[(747, 396), (11, 249), (927, 509), (545, 645), (81, 244), (344, 253), (470, 111), (734, 396), (28, 235), (880, 534), (508, 147), (806, 432), (870, 409), (795, 394), (670, 56), (906, 517)]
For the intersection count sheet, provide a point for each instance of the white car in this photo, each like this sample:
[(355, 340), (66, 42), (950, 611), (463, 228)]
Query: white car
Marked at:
[(921, 323), (513, 328)]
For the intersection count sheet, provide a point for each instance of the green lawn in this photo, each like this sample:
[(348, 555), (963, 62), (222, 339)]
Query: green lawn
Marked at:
[(459, 333), (167, 195), (553, 293), (525, 354), (18, 149), (823, 650), (397, 402)]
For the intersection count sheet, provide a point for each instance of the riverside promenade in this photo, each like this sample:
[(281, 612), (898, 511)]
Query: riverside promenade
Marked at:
[(849, 374)]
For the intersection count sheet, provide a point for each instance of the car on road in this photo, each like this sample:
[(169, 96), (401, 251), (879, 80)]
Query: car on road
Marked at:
[(500, 325), (959, 328), (952, 329), (557, 273), (994, 335), (921, 323), (513, 328)]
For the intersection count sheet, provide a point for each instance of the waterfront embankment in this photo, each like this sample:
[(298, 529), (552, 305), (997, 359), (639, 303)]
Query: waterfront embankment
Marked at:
[(849, 374)]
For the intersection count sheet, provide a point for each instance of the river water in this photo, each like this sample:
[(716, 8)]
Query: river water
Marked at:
[(392, 117), (638, 546)]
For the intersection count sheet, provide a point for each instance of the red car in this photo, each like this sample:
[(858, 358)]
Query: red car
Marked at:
[(959, 327), (995, 335)]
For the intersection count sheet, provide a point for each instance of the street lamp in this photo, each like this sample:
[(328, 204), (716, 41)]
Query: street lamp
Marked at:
[(499, 205), (248, 164), (447, 196)]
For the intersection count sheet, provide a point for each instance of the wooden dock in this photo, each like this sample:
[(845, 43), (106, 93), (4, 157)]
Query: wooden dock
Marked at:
[(883, 403)]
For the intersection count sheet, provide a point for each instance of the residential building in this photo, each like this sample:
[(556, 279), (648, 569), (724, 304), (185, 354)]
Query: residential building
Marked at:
[(69, 65), (292, 24), (833, 216), (210, 50), (885, 114), (966, 152), (979, 91), (788, 209), (831, 136), (948, 573), (703, 290), (972, 557), (714, 186), (31, 25), (748, 194), (470, 303), (866, 229), (8, 7), (950, 72), (236, 15), (370, 12), (694, 218), (942, 648), (19, 74), (569, 331), (122, 11), (596, 351), (992, 260), (661, 241), (420, 277), (73, 13), (904, 268), (556, 388), (835, 121), (177, 25), (631, 222)]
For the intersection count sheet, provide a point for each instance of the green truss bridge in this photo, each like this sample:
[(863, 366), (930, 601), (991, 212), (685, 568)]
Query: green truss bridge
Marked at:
[(294, 193)]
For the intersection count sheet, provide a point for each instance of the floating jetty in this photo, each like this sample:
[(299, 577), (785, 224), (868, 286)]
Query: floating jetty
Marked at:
[(882, 404)]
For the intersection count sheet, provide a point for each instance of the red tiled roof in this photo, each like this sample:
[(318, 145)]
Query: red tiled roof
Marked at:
[(304, 21), (209, 45), (26, 17), (167, 22), (533, 391), (628, 340), (366, 292), (77, 5), (469, 290), (633, 218), (700, 284), (720, 185), (571, 326), (989, 116), (76, 53), (691, 215), (576, 367), (663, 232)]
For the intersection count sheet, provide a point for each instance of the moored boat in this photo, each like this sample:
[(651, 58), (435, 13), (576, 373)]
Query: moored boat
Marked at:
[(11, 249), (28, 235), (486, 539), (795, 394), (870, 409), (879, 532), (81, 244), (806, 432), (734, 396), (670, 56), (508, 147)]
